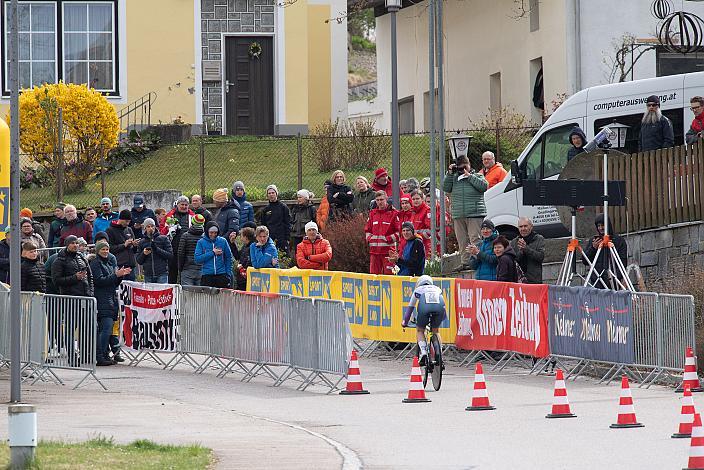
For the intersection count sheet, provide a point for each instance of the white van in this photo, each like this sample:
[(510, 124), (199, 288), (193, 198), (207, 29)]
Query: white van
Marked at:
[(590, 109)]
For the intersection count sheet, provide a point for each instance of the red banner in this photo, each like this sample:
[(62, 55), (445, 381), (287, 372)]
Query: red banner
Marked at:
[(502, 316)]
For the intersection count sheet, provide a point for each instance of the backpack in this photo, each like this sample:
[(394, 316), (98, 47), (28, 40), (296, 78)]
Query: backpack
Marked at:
[(520, 275)]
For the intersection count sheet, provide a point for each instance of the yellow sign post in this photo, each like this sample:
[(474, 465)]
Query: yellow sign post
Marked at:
[(4, 177)]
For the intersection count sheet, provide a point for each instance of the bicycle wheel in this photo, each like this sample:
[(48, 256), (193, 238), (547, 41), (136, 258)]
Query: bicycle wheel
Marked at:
[(436, 360)]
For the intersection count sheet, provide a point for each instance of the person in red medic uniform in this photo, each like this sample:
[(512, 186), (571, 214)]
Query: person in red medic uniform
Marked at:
[(382, 182), (382, 234), (406, 212), (421, 219)]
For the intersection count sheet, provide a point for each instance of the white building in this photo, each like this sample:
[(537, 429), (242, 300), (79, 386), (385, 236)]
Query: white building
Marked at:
[(493, 58)]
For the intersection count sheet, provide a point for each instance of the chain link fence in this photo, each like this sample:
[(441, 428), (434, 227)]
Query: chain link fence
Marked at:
[(204, 164)]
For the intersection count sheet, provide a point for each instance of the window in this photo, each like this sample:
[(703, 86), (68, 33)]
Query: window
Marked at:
[(676, 116), (668, 63), (406, 123), (549, 154), (73, 41)]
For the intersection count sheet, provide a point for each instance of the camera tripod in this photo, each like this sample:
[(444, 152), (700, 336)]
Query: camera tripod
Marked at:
[(568, 271)]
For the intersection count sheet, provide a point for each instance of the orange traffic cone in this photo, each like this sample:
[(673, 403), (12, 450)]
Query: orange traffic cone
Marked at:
[(696, 446), (560, 403), (690, 373), (354, 378), (416, 391), (480, 397), (626, 412), (686, 415)]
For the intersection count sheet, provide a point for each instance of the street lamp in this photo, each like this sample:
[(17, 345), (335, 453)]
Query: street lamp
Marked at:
[(459, 145), (617, 137), (393, 6)]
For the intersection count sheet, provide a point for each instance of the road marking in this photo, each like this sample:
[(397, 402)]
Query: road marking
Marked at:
[(350, 460)]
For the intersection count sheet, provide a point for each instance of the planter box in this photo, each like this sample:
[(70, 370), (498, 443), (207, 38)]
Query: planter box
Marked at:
[(172, 133)]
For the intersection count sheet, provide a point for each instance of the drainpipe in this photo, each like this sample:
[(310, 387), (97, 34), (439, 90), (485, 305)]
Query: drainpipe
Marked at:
[(574, 45)]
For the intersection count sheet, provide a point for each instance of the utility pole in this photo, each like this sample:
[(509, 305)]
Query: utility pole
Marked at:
[(439, 30), (393, 6), (431, 102)]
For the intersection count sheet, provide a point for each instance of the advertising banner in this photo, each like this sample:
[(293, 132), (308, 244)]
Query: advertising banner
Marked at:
[(502, 316), (149, 315), (591, 323)]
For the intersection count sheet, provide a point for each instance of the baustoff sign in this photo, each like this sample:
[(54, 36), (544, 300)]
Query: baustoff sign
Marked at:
[(501, 316), (149, 315), (591, 323)]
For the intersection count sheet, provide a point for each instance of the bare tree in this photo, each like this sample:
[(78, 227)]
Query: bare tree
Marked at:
[(627, 52)]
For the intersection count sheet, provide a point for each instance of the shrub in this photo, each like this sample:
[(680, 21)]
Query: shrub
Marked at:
[(349, 248), (131, 151), (38, 177), (353, 146), (90, 127), (360, 43), (515, 132)]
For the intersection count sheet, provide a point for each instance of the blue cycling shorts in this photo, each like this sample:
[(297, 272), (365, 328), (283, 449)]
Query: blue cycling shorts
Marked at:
[(434, 318)]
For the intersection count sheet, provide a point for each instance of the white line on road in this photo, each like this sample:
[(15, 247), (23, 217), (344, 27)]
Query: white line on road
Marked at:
[(350, 460)]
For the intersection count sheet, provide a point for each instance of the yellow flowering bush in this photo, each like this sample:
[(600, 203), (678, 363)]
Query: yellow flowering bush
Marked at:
[(90, 127)]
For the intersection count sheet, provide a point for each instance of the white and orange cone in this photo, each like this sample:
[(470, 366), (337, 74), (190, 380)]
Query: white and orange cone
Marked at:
[(416, 391), (560, 403), (480, 396), (354, 378), (626, 411), (696, 445), (686, 415), (690, 373)]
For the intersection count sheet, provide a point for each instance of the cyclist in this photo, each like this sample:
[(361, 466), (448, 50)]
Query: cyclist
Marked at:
[(427, 299)]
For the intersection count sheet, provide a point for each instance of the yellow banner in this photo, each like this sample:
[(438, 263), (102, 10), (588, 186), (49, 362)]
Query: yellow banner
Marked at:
[(374, 304)]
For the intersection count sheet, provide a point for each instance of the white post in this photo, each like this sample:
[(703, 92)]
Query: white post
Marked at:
[(22, 433)]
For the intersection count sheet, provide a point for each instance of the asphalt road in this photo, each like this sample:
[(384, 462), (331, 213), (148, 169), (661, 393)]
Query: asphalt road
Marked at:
[(253, 425)]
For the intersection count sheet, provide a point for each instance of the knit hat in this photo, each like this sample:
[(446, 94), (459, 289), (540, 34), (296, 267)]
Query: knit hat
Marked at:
[(106, 200), (380, 172), (237, 185), (100, 245), (406, 198), (304, 193), (220, 195), (101, 236), (181, 199), (70, 239), (125, 214), (26, 212), (81, 241), (488, 224), (653, 99), (409, 226), (59, 205), (311, 225), (149, 221), (198, 220), (272, 186)]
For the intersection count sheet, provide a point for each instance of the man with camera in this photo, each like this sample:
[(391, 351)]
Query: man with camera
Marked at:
[(466, 188)]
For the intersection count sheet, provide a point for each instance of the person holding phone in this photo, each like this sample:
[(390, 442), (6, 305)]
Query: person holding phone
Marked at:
[(213, 252), (123, 243), (154, 254)]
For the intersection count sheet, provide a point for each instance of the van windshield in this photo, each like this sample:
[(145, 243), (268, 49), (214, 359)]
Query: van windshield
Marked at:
[(549, 154)]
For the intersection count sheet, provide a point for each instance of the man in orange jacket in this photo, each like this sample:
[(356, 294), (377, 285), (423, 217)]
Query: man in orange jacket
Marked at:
[(382, 234), (493, 172), (314, 252)]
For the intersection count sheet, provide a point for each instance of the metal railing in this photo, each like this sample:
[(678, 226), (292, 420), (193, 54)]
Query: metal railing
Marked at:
[(136, 115)]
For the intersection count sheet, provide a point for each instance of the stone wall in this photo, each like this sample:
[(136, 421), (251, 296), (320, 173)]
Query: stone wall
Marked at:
[(219, 17)]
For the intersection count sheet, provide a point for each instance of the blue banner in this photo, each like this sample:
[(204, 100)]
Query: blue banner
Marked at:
[(591, 323)]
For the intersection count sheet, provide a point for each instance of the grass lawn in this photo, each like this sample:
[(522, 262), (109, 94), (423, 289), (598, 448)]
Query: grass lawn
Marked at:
[(257, 163), (101, 453)]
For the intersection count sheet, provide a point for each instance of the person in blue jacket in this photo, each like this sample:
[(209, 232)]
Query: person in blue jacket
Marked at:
[(263, 253), (213, 252), (106, 215), (246, 209), (482, 257)]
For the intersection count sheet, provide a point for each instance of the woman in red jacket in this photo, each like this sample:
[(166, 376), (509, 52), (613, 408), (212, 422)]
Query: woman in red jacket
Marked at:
[(421, 219), (314, 252), (406, 212)]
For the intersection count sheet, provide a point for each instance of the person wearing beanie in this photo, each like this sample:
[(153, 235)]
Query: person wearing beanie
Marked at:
[(340, 197), (410, 257), (31, 269), (37, 226), (421, 219), (220, 197), (302, 213), (362, 201), (246, 208), (656, 130), (188, 268), (482, 258), (55, 227), (174, 225), (123, 243), (314, 252), (105, 216), (107, 276), (28, 234), (75, 225), (198, 208), (139, 213), (406, 212), (155, 255), (213, 253), (228, 220), (277, 218), (382, 182)]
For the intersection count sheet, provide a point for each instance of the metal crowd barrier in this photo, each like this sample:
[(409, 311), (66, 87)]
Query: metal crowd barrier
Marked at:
[(276, 336)]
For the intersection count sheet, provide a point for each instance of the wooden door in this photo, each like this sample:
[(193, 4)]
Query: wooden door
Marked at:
[(249, 86)]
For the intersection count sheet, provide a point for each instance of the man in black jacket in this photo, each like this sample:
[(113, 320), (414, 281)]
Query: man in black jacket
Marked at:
[(602, 279), (139, 214), (31, 269), (277, 218), (187, 266), (123, 243), (71, 274), (154, 254), (228, 219), (529, 248), (655, 129)]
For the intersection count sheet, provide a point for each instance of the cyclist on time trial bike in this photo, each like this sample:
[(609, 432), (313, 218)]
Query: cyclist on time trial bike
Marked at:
[(430, 304)]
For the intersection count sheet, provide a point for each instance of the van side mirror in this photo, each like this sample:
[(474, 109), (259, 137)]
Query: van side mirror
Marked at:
[(516, 172)]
